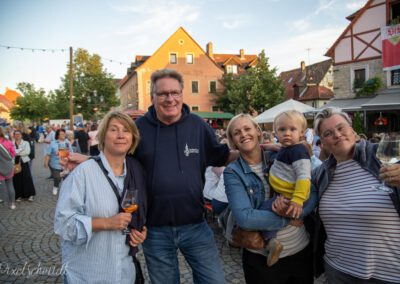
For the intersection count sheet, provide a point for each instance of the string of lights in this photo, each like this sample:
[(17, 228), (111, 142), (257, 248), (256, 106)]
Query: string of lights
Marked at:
[(53, 50)]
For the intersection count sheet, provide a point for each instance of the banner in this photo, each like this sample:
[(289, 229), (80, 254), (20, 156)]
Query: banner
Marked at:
[(390, 47)]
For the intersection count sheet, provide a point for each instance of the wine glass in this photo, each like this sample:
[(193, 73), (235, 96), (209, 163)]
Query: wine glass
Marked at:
[(129, 204), (63, 152), (388, 152)]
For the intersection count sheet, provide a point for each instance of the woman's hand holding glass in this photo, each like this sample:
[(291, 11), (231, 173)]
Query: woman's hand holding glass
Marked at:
[(129, 204), (388, 153)]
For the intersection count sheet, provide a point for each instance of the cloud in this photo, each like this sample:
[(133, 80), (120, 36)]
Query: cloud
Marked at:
[(232, 21), (301, 25), (324, 5), (355, 5), (157, 16), (287, 54)]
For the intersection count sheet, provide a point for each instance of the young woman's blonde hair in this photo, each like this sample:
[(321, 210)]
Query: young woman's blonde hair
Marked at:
[(126, 121), (229, 129), (294, 115)]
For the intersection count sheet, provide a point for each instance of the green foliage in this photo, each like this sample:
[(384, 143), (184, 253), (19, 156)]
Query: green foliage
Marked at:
[(32, 105), (89, 79), (254, 91), (358, 123), (369, 87)]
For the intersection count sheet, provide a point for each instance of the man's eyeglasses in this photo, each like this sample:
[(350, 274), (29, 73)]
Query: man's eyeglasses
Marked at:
[(341, 128), (174, 94)]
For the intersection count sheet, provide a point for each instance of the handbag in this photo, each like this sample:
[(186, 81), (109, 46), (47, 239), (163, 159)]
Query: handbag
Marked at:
[(248, 239), (17, 167), (6, 162)]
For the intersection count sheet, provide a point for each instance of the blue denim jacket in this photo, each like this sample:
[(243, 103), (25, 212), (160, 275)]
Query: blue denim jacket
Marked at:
[(245, 192)]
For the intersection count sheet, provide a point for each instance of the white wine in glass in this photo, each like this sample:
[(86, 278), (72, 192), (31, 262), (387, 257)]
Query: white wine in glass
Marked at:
[(388, 153)]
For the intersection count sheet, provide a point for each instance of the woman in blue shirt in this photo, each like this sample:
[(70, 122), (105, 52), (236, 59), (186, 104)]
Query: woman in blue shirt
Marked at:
[(52, 158)]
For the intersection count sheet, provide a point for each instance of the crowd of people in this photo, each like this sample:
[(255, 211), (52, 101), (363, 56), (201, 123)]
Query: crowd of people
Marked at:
[(307, 193)]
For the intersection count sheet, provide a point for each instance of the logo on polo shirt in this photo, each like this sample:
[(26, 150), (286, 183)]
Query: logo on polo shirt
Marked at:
[(189, 151)]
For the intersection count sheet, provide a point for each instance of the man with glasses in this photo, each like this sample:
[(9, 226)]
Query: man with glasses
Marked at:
[(175, 149)]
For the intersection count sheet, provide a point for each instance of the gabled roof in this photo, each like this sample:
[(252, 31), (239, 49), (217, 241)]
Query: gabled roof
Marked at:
[(354, 18), (145, 57), (316, 93), (313, 74), (247, 61)]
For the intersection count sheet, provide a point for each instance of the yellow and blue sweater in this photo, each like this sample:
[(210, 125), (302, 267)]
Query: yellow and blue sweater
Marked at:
[(290, 175)]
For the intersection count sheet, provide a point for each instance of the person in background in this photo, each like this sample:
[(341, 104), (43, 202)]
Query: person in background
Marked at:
[(83, 139), (93, 142), (214, 189), (52, 159), (6, 182), (359, 236), (23, 183), (251, 168), (74, 144), (88, 218)]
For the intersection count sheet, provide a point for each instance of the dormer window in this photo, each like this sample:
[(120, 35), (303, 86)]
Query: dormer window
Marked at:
[(231, 69)]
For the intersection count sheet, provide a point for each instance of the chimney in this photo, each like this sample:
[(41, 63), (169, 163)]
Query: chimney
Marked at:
[(241, 53), (210, 52), (302, 66)]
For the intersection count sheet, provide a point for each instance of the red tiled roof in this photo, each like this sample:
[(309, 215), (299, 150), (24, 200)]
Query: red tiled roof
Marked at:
[(316, 93), (313, 73), (221, 59)]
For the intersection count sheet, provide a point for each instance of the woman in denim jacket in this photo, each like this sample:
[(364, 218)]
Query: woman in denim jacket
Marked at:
[(246, 183), (359, 236)]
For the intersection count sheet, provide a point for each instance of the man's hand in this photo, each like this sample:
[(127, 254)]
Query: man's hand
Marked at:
[(391, 175), (294, 210), (72, 161), (137, 237)]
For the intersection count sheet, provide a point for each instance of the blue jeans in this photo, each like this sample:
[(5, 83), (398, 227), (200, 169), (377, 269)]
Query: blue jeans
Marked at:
[(267, 205), (196, 243)]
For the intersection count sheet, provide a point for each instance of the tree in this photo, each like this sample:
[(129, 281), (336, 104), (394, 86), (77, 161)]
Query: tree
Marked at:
[(358, 123), (94, 88), (252, 92), (33, 105)]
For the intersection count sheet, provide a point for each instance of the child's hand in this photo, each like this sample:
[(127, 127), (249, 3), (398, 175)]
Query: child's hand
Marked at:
[(296, 222), (294, 210), (280, 205)]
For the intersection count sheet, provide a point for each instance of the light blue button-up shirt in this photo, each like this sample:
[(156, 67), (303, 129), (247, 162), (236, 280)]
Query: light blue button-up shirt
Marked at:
[(91, 257)]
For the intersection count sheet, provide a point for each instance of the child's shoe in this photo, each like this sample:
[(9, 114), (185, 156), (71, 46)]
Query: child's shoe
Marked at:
[(274, 250)]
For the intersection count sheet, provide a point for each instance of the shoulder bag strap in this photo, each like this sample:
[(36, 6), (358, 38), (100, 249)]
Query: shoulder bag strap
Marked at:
[(112, 184)]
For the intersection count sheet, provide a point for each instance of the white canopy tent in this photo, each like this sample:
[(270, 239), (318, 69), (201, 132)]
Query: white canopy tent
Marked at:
[(269, 115)]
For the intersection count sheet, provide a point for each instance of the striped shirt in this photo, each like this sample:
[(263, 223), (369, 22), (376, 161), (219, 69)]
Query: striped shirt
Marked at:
[(293, 239), (91, 257), (362, 226)]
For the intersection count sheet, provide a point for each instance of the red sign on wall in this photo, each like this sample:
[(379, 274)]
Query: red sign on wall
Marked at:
[(390, 47)]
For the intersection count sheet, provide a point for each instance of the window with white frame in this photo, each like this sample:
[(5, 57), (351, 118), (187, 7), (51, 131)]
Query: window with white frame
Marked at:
[(231, 69), (173, 58), (189, 58), (215, 108), (195, 87), (195, 108)]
